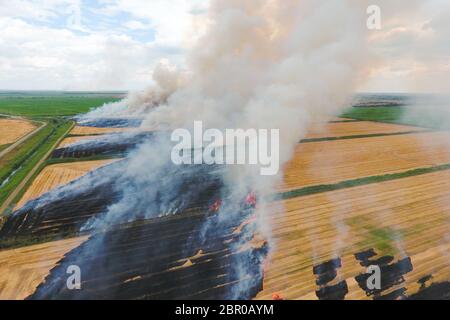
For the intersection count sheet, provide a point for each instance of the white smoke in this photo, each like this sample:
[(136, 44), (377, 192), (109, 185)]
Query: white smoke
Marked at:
[(167, 79), (262, 64), (265, 64)]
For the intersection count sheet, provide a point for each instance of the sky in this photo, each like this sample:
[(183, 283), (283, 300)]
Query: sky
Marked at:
[(115, 44)]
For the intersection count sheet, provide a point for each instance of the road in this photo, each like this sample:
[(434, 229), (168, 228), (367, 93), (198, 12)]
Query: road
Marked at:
[(30, 174)]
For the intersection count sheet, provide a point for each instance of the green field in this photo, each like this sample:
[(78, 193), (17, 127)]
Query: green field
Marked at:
[(382, 114), (51, 106), (433, 118), (16, 165)]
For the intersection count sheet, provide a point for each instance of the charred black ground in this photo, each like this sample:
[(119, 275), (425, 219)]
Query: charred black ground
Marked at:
[(110, 123), (167, 258)]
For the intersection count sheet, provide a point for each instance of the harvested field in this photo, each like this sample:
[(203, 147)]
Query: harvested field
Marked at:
[(57, 175), (86, 131), (70, 140), (113, 145), (354, 128), (167, 258), (399, 219), (12, 130), (68, 208), (23, 269), (333, 161)]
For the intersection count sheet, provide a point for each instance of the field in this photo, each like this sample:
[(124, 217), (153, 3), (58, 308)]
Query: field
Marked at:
[(21, 162), (13, 129), (16, 165), (56, 175), (50, 106), (345, 129), (405, 217), (70, 140), (86, 131), (352, 189), (25, 268), (333, 161)]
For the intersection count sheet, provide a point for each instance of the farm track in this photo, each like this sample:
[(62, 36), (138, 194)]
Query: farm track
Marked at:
[(30, 174)]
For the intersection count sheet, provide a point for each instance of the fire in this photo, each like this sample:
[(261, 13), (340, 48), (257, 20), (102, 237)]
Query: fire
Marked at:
[(250, 200), (277, 297), (215, 207)]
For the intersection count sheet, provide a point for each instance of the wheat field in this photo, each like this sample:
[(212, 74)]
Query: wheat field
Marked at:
[(86, 131), (71, 140), (405, 217), (23, 269), (334, 161), (12, 130), (342, 129), (57, 175)]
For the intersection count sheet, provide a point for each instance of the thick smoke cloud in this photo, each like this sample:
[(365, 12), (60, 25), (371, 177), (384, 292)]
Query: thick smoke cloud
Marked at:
[(261, 64)]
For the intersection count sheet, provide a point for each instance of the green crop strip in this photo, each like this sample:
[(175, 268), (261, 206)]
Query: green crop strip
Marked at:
[(305, 191)]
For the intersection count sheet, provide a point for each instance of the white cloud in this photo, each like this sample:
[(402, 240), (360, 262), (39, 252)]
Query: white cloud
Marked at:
[(39, 51), (136, 25), (121, 41), (412, 48)]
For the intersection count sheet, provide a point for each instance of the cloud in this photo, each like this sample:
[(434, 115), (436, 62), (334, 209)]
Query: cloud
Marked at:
[(136, 25), (114, 47), (412, 48), (118, 42)]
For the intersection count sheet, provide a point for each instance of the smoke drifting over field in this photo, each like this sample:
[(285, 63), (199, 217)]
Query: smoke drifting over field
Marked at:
[(265, 64)]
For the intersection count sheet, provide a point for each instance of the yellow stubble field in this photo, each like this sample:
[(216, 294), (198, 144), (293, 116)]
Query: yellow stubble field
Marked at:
[(86, 131), (23, 269), (57, 175), (404, 218), (334, 161), (342, 129), (12, 130)]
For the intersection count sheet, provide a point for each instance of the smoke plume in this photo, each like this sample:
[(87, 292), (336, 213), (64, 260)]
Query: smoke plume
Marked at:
[(263, 64)]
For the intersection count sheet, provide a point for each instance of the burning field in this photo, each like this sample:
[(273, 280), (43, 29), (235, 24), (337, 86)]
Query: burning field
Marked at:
[(320, 243), (57, 175), (141, 199)]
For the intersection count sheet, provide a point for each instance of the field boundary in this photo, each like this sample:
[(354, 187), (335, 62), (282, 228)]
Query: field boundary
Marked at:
[(23, 138), (32, 173), (361, 136), (346, 184)]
